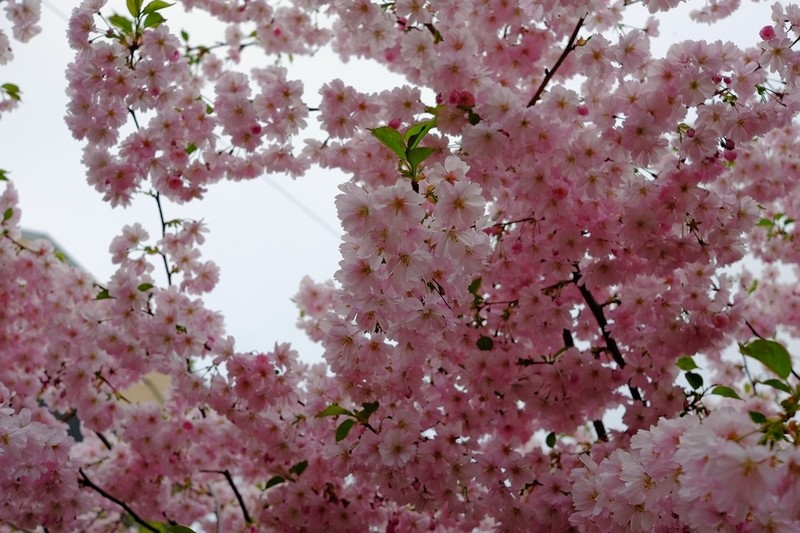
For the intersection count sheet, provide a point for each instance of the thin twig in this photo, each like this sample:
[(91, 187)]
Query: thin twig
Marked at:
[(104, 440), (753, 330), (85, 481), (550, 73), (157, 196)]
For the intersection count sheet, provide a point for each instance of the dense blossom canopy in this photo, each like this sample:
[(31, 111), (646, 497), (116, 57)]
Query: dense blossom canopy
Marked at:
[(552, 239)]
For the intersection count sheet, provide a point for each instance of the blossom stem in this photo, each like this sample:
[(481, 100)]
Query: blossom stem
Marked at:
[(86, 482)]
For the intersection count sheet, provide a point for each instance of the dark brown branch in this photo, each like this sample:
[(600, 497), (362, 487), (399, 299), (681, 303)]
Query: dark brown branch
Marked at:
[(600, 318), (236, 492), (568, 340), (600, 428), (104, 440), (238, 496), (86, 482), (550, 73), (752, 329)]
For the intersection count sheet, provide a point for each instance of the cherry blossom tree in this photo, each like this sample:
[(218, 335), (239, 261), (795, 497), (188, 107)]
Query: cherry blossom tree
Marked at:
[(545, 228)]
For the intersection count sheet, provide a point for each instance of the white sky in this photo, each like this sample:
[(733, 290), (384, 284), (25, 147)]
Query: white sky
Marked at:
[(263, 243)]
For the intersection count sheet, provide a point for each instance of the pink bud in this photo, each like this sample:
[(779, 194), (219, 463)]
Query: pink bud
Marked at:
[(255, 129), (452, 98), (690, 132), (720, 320), (466, 99), (716, 78), (583, 110), (395, 123), (767, 33), (729, 155), (559, 192)]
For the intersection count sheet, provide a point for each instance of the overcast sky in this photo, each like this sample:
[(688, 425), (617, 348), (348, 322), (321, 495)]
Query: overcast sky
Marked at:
[(263, 243)]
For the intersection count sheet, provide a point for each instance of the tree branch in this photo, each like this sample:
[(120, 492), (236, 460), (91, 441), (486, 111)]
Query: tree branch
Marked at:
[(550, 73), (236, 492), (86, 482), (600, 318), (600, 428)]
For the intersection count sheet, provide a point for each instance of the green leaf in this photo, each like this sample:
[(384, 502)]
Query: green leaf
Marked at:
[(134, 7), (165, 527), (416, 156), (3, 175), (772, 354), (144, 287), (185, 35), (757, 417), (344, 428), (177, 528), (778, 384), (686, 363), (190, 149), (764, 223), (391, 139), (474, 286), (155, 5), (752, 288), (275, 480), (299, 468), (102, 295), (417, 132), (11, 90), (333, 410), (154, 20), (123, 23), (551, 439), (60, 256), (369, 408), (485, 343), (695, 380), (8, 213), (727, 392)]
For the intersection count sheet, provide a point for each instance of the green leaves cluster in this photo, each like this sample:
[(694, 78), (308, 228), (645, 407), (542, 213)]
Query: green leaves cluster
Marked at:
[(695, 380), (361, 417), (144, 17), (777, 226), (406, 146), (294, 473), (774, 356)]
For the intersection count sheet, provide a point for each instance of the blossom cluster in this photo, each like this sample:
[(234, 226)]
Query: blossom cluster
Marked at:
[(708, 475), (545, 239), (24, 16)]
